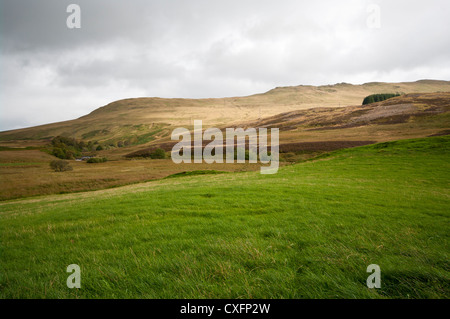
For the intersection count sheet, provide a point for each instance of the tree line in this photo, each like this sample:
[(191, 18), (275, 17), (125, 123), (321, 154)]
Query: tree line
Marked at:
[(378, 97)]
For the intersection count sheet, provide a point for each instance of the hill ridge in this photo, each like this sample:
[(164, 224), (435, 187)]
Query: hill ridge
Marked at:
[(134, 117)]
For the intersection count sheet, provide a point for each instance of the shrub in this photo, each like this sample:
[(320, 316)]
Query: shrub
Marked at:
[(159, 153), (96, 160), (58, 152), (60, 166), (67, 148)]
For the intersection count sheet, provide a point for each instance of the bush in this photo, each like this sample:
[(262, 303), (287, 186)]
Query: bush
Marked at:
[(159, 153), (96, 160), (58, 152), (60, 166), (67, 148)]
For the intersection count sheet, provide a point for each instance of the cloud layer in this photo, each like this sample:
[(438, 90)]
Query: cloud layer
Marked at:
[(204, 48)]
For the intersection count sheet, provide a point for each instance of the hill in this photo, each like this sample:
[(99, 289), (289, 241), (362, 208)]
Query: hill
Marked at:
[(304, 134), (328, 128), (142, 120)]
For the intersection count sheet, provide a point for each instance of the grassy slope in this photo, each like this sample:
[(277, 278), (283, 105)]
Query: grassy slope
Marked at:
[(137, 117), (31, 174), (309, 231)]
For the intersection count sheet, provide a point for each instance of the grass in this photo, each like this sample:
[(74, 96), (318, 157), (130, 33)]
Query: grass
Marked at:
[(5, 148), (27, 173), (144, 138), (309, 231), (19, 164), (193, 173)]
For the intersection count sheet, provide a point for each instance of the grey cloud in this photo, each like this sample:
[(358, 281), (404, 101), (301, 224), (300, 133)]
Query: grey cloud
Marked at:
[(204, 48)]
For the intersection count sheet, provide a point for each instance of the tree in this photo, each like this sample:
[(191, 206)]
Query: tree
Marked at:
[(60, 166), (67, 148), (58, 152), (378, 97)]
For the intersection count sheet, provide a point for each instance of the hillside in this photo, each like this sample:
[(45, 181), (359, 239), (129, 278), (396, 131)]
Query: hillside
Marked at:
[(309, 231), (304, 134), (396, 110), (328, 128), (141, 120)]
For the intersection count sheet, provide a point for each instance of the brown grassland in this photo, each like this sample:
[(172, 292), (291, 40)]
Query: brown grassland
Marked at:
[(27, 173), (309, 118)]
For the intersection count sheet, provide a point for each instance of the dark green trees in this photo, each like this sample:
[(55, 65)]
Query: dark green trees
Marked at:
[(378, 97)]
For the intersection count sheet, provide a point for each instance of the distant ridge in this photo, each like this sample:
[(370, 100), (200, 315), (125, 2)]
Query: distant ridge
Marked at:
[(140, 116)]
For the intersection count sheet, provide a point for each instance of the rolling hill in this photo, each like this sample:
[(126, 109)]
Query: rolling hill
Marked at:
[(304, 135), (309, 231), (327, 128), (142, 120)]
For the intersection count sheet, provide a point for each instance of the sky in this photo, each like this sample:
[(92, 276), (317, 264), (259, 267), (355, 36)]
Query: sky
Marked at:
[(206, 48)]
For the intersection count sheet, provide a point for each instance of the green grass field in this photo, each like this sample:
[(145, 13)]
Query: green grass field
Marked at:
[(309, 231)]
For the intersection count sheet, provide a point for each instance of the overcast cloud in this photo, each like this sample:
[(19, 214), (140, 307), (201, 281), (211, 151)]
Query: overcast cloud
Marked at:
[(205, 48)]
